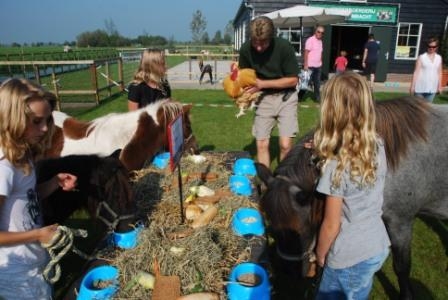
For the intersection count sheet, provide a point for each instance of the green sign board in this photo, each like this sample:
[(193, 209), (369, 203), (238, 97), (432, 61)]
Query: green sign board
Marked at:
[(379, 14)]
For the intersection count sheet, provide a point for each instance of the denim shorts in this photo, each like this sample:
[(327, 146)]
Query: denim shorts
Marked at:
[(352, 283), (427, 96)]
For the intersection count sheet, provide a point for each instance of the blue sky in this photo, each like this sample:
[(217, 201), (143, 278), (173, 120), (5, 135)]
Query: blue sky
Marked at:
[(28, 21)]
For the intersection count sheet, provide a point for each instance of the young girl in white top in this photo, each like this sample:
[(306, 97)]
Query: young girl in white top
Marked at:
[(26, 125)]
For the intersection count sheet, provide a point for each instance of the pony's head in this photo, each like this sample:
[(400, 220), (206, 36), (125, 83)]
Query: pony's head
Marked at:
[(167, 112), (110, 196), (151, 134), (103, 188), (292, 206)]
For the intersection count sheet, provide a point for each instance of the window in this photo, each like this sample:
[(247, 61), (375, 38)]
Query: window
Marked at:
[(294, 37), (408, 41)]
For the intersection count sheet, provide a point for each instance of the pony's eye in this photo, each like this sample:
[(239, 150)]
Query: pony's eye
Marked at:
[(301, 196)]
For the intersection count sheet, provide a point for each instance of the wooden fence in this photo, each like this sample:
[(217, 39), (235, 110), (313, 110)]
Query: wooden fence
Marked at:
[(92, 65)]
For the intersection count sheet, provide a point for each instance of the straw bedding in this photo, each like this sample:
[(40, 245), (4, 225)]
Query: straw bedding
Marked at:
[(203, 259)]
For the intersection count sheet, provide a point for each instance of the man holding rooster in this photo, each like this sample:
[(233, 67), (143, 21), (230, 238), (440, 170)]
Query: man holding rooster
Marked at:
[(275, 64)]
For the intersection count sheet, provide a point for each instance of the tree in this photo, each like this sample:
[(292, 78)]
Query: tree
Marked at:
[(217, 39), (228, 33), (97, 38), (197, 26), (111, 29), (149, 40), (205, 39), (171, 43)]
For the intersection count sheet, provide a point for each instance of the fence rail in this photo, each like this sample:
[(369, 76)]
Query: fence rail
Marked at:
[(40, 69)]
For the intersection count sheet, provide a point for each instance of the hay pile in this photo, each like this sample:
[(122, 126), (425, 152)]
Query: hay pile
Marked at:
[(203, 259)]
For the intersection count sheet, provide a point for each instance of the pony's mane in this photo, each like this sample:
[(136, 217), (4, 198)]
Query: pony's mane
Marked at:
[(400, 122), (168, 111), (299, 157)]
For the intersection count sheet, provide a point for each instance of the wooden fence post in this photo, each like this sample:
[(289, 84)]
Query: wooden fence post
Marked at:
[(94, 81), (56, 91), (37, 74), (189, 68), (109, 91), (120, 73), (216, 70)]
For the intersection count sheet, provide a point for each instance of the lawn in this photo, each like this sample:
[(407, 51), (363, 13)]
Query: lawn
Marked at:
[(217, 129)]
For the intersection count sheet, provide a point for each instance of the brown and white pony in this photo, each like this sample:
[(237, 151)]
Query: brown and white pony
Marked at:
[(139, 134)]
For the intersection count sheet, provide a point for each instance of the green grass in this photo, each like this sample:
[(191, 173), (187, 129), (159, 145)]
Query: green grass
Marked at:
[(217, 129)]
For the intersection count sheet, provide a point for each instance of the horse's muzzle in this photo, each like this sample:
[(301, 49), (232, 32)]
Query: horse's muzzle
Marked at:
[(191, 146)]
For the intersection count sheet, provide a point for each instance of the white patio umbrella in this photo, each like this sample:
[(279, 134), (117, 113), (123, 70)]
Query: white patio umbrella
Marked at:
[(306, 16)]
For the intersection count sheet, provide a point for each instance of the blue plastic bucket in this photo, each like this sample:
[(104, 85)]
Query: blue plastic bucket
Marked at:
[(240, 185), (127, 240), (88, 291), (161, 160), (244, 166), (237, 291), (247, 221)]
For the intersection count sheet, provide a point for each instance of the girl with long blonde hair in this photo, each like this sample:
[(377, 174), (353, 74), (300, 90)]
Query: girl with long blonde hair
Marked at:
[(352, 242), (26, 126), (150, 82)]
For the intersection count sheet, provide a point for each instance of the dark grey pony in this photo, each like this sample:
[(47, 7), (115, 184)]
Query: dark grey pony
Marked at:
[(416, 142)]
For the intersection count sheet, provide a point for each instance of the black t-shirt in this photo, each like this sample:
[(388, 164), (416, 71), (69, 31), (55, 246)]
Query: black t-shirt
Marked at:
[(372, 51), (143, 94), (277, 61)]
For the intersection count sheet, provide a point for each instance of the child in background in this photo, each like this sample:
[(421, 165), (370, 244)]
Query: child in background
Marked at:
[(26, 125), (205, 69), (150, 83), (353, 242), (341, 62)]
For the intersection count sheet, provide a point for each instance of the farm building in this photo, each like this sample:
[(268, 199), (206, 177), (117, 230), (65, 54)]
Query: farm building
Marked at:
[(401, 27)]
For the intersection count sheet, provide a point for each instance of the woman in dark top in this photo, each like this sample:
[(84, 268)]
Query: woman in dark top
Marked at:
[(150, 83)]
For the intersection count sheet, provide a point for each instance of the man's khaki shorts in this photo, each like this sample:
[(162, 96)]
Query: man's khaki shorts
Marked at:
[(273, 109)]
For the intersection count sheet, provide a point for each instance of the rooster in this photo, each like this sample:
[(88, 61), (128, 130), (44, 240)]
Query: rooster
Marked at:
[(234, 85)]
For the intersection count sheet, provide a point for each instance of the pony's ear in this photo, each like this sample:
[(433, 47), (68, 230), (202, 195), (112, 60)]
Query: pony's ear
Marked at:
[(294, 190), (264, 173), (116, 154)]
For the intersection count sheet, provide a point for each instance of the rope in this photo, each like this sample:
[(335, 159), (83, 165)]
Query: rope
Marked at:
[(113, 81), (59, 245)]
